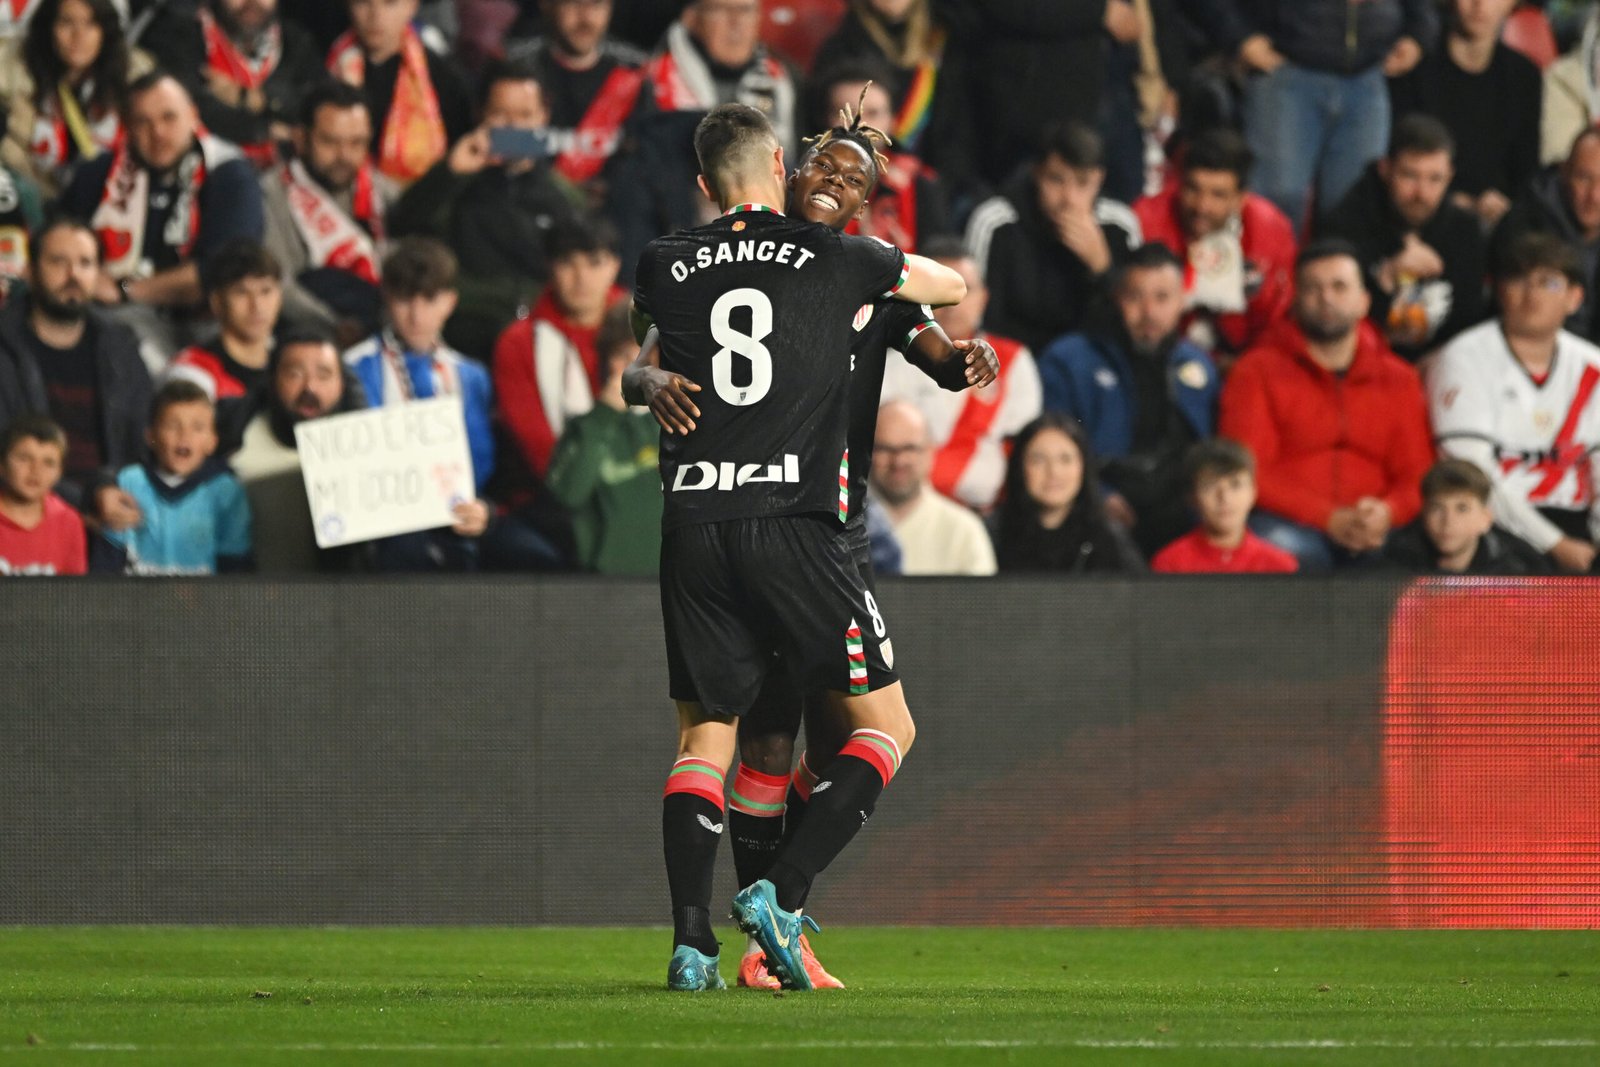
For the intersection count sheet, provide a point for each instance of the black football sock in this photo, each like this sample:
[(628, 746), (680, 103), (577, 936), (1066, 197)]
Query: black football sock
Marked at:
[(800, 785), (755, 822), (691, 828), (841, 804)]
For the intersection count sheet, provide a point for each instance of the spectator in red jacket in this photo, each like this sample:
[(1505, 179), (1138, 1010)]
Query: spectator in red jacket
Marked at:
[(547, 371), (1239, 247), (546, 367), (1336, 420)]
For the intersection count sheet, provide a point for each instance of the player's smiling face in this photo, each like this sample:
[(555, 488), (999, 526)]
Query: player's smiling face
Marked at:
[(832, 184)]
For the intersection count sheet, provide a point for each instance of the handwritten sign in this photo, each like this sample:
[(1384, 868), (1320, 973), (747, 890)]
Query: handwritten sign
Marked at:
[(386, 471)]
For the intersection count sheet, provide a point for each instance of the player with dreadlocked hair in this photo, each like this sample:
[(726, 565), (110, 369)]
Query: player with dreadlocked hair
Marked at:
[(853, 128), (766, 802)]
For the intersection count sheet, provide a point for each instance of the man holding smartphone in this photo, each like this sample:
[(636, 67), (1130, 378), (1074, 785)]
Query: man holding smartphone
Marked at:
[(494, 198)]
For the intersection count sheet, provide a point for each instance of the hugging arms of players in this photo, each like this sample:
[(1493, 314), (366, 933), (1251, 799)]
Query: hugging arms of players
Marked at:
[(644, 383)]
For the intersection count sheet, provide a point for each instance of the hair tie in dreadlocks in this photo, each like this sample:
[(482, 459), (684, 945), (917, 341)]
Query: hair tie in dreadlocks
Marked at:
[(869, 139)]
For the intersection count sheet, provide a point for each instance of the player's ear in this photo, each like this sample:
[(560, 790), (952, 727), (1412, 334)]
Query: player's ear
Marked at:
[(705, 189)]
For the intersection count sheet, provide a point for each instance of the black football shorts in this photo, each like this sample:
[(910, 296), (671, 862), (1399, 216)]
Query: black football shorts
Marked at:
[(780, 705), (734, 593)]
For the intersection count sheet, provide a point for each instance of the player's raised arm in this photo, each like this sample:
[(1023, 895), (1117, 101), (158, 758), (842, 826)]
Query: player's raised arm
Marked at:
[(931, 283), (664, 393)]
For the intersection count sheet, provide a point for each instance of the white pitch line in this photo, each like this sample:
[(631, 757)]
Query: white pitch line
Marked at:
[(781, 1046)]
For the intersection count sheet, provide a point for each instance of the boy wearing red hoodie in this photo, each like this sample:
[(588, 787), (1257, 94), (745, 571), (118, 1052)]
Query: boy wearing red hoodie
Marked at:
[(1222, 487)]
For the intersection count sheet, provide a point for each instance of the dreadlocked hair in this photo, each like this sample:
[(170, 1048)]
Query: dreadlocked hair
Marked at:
[(869, 139)]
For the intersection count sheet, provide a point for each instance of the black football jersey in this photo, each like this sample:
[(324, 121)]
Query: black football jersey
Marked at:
[(878, 326), (756, 308)]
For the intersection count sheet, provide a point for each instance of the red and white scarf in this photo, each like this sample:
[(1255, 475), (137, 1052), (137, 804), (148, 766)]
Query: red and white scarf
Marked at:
[(332, 237), (14, 15), (413, 134), (683, 82), (229, 60), (565, 364), (124, 208), (597, 134), (62, 120)]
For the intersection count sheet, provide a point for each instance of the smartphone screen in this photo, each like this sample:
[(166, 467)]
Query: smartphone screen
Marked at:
[(514, 143)]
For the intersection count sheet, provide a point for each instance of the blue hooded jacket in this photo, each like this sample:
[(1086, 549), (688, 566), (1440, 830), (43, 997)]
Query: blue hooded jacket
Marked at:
[(1090, 377)]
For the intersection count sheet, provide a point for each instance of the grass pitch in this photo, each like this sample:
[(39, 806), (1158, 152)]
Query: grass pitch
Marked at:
[(182, 995)]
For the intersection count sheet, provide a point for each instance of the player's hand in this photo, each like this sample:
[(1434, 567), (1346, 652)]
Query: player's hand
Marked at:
[(1256, 53), (472, 518), (1573, 555), (117, 509), (667, 396), (1405, 54), (983, 362)]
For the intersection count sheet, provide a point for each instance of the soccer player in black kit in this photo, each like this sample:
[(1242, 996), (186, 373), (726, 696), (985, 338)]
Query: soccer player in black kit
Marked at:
[(758, 306), (766, 802)]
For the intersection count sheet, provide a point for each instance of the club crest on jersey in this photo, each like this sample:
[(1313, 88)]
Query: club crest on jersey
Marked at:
[(724, 476), (863, 316), (738, 226)]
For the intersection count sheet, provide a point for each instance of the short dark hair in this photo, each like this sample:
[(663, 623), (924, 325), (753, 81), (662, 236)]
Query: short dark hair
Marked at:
[(1325, 248), (149, 80), (63, 222), (726, 138), (302, 334), (508, 70), (595, 233), (1152, 255), (1589, 131), (1531, 251), (1216, 457), (330, 92), (944, 246), (175, 392), (235, 261), (1219, 148), (40, 428), (1454, 475), (419, 266), (1073, 142), (1420, 134), (616, 329)]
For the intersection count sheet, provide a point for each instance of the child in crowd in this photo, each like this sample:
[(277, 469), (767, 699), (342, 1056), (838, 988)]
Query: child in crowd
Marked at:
[(39, 532), (1221, 475), (604, 468), (1456, 532), (409, 359), (196, 518)]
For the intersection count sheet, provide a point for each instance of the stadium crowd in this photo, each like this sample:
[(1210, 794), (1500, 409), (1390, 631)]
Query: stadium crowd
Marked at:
[(1274, 284)]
